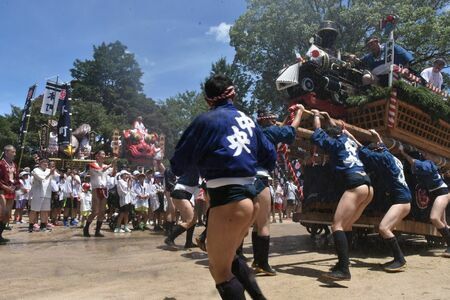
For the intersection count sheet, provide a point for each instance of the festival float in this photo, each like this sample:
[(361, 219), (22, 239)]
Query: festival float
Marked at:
[(57, 141), (407, 112), (142, 148), (75, 148)]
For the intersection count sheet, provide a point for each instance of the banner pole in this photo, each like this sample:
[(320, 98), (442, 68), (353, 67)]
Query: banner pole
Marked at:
[(22, 147), (27, 111)]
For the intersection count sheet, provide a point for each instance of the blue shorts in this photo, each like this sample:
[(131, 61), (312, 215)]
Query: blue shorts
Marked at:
[(353, 180), (260, 184), (230, 193), (439, 192), (180, 194)]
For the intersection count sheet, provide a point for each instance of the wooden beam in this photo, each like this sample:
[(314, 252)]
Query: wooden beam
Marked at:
[(405, 226)]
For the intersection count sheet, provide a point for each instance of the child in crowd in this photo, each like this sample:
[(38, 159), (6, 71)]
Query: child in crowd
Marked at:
[(22, 196), (141, 195), (85, 202), (124, 190)]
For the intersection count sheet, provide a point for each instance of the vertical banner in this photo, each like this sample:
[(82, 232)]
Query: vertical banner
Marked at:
[(51, 96), (64, 128), (26, 116), (45, 136)]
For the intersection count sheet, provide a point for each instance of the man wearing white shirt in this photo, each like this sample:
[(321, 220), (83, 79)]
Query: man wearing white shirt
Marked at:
[(433, 74), (42, 193), (99, 173)]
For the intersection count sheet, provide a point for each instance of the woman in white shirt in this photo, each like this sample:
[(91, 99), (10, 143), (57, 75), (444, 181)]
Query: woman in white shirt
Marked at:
[(141, 193), (278, 203), (124, 190), (72, 200), (22, 195)]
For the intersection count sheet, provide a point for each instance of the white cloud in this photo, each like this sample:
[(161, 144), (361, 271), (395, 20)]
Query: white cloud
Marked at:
[(148, 62), (221, 32)]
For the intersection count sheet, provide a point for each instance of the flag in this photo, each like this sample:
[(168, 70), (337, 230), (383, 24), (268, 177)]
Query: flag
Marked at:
[(64, 128), (51, 96), (26, 115)]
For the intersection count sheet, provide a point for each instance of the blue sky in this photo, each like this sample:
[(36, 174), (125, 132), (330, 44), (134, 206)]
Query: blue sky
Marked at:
[(175, 41)]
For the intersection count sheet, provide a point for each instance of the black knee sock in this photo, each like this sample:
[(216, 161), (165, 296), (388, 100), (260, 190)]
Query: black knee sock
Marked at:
[(177, 230), (239, 250), (255, 246), (86, 226), (65, 219), (170, 227), (396, 251), (231, 290), (43, 225), (264, 245), (202, 236), (349, 236), (445, 232), (245, 275), (2, 228), (30, 226), (341, 244), (98, 226), (189, 235)]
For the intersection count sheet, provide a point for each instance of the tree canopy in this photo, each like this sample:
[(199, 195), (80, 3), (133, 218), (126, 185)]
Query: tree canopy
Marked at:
[(108, 91), (270, 33)]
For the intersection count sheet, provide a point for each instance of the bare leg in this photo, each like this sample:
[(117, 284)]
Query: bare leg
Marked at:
[(226, 224), (262, 221), (438, 210), (394, 215)]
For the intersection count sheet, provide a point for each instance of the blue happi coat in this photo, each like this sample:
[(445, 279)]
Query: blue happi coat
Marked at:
[(428, 174), (223, 143), (342, 150), (389, 169), (280, 134)]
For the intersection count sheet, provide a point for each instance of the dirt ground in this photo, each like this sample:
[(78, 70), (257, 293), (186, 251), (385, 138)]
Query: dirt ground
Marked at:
[(64, 265)]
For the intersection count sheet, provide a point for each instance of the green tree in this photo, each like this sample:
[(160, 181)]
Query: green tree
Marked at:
[(107, 91), (112, 76), (179, 111), (242, 83), (8, 135), (269, 33)]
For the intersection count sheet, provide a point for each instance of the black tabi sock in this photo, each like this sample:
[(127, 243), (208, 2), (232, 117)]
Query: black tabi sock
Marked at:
[(349, 236), (189, 235), (231, 290), (43, 225), (30, 226), (255, 246), (177, 230), (445, 232), (98, 226), (341, 244), (396, 251), (264, 245), (246, 276)]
